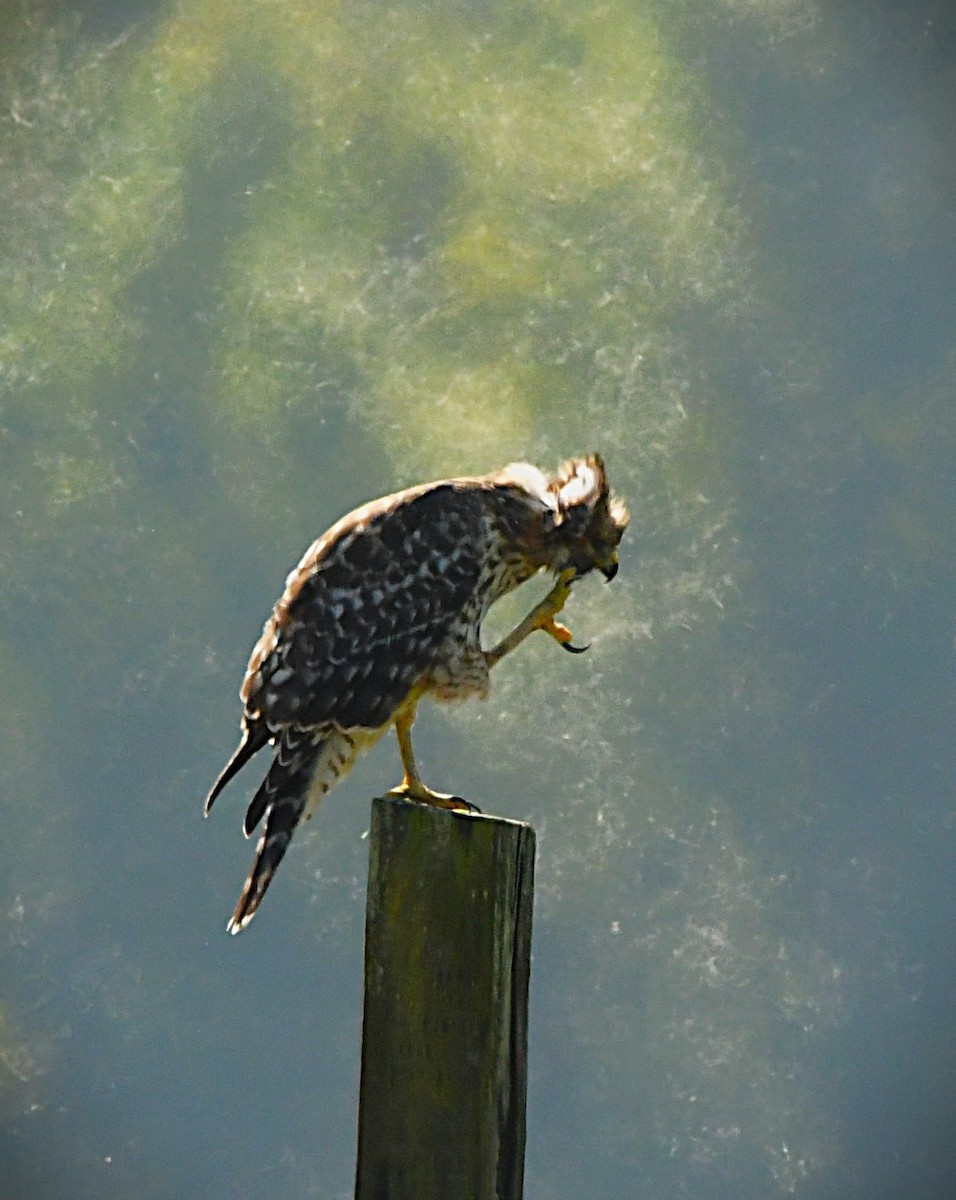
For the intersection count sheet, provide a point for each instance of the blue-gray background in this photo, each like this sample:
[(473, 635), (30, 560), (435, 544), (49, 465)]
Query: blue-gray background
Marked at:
[(264, 259)]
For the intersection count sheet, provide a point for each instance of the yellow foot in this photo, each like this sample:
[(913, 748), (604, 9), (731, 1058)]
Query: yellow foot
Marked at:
[(543, 615), (561, 634), (416, 791)]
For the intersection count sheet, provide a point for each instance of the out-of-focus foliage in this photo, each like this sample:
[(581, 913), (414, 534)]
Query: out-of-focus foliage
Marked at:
[(264, 259)]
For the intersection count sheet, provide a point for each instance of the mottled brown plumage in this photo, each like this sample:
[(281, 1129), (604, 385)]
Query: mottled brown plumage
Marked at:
[(387, 607)]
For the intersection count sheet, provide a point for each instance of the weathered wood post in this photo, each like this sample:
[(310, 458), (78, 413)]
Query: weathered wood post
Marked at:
[(444, 1040)]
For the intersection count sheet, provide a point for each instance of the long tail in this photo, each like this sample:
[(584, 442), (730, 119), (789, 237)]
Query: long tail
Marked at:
[(305, 767)]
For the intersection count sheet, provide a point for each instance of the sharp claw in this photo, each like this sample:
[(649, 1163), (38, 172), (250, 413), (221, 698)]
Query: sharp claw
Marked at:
[(572, 649), (419, 794), (562, 635)]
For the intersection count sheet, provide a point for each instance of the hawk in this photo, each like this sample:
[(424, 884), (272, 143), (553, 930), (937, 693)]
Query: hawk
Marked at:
[(385, 608)]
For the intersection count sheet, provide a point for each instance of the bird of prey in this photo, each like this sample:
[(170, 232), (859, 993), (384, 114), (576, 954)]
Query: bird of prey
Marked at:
[(385, 608)]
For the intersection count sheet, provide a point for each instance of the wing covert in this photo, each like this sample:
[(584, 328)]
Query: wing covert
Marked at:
[(352, 635)]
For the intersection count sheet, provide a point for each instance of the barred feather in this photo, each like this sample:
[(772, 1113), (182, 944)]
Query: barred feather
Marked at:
[(387, 606)]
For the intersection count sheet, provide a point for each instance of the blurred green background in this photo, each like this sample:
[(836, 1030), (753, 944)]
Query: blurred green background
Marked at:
[(262, 260)]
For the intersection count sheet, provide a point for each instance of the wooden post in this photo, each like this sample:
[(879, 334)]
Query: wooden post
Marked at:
[(444, 1037)]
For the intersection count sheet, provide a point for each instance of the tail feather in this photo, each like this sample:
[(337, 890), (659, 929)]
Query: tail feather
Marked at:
[(281, 799), (258, 806), (296, 753), (282, 817), (253, 739)]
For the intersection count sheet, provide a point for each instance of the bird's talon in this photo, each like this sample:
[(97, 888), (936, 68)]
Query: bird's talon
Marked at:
[(418, 793), (571, 649), (562, 635)]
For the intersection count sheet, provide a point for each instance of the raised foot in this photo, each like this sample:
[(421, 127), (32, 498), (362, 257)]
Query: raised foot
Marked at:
[(562, 635), (418, 793), (543, 615)]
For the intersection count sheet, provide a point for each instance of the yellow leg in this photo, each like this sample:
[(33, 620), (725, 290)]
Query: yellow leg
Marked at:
[(411, 787), (541, 617)]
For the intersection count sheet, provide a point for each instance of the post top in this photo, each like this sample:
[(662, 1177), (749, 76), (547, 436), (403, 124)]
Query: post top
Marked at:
[(457, 814)]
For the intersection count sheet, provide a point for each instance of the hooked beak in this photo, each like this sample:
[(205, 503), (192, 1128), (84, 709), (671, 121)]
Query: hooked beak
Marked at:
[(610, 570)]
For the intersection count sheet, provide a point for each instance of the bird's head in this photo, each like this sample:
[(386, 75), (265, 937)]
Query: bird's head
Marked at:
[(585, 521)]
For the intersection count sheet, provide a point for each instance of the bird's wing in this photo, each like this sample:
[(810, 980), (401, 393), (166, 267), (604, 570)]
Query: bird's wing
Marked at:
[(367, 611)]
